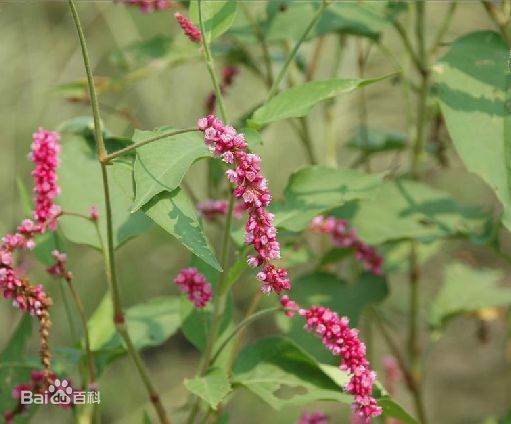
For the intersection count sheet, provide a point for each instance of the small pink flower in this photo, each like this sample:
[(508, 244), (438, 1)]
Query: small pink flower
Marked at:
[(313, 418), (189, 29), (289, 305), (274, 279), (195, 285), (59, 269), (93, 213)]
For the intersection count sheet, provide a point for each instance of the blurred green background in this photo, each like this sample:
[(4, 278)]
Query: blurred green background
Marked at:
[(467, 380)]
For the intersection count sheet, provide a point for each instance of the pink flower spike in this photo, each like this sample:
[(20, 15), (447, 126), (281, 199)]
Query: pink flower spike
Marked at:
[(195, 285), (343, 341), (210, 208), (189, 29), (44, 154)]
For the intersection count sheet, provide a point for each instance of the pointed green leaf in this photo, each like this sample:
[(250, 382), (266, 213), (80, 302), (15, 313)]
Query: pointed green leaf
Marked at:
[(298, 101), (269, 364), (175, 213), (473, 86), (161, 166), (213, 387)]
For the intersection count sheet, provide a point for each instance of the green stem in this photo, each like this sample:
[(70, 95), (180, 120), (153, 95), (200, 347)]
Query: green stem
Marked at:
[(307, 140), (362, 103), (108, 158), (211, 66), (408, 45), (331, 140), (501, 20), (241, 326), (110, 268), (423, 91), (444, 27), (275, 87), (262, 40), (83, 321)]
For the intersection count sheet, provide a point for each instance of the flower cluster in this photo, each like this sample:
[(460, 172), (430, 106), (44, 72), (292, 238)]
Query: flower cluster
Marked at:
[(59, 268), (251, 189), (228, 74), (44, 154), (189, 29), (148, 6), (313, 418), (343, 341), (195, 285), (24, 296), (345, 237)]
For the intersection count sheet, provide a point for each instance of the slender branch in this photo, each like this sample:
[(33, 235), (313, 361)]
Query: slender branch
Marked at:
[(83, 321), (313, 63), (423, 90), (211, 66), (254, 303), (241, 326), (262, 40), (110, 268), (442, 30), (275, 87), (500, 19), (109, 157), (408, 46)]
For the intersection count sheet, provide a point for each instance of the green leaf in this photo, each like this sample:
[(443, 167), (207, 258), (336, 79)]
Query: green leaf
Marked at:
[(282, 374), (371, 141), (317, 189), (213, 387), (473, 91), (15, 349), (82, 187), (149, 323), (391, 409), (363, 19), (161, 166), (175, 213), (465, 290), (218, 16), (403, 209), (299, 100)]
